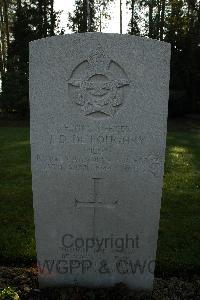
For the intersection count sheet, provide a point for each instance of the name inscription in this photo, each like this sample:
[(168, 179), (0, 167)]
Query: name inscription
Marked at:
[(80, 148)]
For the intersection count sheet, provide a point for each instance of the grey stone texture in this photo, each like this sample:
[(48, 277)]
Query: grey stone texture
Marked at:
[(98, 129)]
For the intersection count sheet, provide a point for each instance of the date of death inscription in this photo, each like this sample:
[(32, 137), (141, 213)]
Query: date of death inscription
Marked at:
[(81, 149)]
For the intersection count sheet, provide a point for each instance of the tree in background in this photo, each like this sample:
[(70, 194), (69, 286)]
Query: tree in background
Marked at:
[(102, 9), (32, 20), (15, 80), (120, 14), (176, 22), (182, 30), (89, 15), (133, 26), (5, 21), (83, 17), (173, 21)]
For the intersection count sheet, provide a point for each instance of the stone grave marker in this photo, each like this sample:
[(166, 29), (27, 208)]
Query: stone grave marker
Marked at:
[(98, 106)]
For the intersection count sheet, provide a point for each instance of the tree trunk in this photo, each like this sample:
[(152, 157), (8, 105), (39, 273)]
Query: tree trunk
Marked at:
[(121, 16), (45, 27), (52, 17), (88, 16), (83, 25), (193, 44), (3, 46), (1, 64), (132, 16), (19, 5), (100, 21), (162, 19), (40, 19), (5, 11), (150, 18), (158, 19)]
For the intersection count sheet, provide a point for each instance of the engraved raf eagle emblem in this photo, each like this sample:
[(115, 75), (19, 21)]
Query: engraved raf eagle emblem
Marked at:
[(97, 84)]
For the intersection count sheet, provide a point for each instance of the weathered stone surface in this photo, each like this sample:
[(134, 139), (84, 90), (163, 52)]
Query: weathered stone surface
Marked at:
[(98, 127)]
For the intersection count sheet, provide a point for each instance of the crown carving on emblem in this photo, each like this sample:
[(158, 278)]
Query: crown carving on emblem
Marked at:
[(98, 61)]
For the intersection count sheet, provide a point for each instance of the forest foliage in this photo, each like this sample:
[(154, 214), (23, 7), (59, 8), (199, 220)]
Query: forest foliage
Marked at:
[(173, 21)]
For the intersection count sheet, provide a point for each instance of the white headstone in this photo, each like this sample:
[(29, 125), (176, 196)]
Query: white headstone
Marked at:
[(98, 129)]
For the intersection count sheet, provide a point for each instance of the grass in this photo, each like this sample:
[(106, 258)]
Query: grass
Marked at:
[(16, 211), (179, 235)]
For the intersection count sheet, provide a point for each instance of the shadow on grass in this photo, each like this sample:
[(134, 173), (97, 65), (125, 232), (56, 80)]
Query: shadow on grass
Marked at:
[(17, 243), (179, 237)]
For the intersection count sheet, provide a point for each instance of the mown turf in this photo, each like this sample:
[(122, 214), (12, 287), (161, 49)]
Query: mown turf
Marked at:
[(179, 234), (16, 211)]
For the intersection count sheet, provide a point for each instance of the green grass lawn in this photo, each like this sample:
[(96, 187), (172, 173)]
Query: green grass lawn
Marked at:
[(179, 235), (16, 210)]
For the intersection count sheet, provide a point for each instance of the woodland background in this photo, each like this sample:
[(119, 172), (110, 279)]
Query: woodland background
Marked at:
[(173, 21)]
